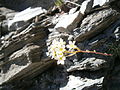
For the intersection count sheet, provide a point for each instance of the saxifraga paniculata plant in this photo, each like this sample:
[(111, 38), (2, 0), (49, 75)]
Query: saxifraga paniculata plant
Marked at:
[(60, 50)]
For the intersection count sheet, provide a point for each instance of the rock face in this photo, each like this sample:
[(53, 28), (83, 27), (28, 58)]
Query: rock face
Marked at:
[(23, 17), (5, 15), (88, 29), (23, 4), (24, 64), (69, 21), (26, 53)]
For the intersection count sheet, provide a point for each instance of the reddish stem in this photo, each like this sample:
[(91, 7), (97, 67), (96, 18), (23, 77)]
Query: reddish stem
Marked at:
[(94, 52), (74, 52)]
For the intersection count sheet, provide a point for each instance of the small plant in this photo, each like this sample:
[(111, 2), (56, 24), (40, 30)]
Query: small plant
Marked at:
[(59, 3), (114, 48), (59, 50)]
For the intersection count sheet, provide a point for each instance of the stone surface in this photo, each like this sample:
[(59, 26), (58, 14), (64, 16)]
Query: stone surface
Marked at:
[(2, 17), (21, 52), (56, 78), (19, 5), (99, 2), (86, 6), (20, 19), (25, 66), (5, 15), (115, 5), (4, 27), (95, 23), (91, 64), (4, 11), (68, 22), (78, 84), (103, 41)]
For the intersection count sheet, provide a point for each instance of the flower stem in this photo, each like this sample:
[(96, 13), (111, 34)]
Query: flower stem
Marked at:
[(81, 51), (94, 52)]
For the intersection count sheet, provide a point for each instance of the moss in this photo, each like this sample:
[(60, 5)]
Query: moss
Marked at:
[(114, 49), (59, 3)]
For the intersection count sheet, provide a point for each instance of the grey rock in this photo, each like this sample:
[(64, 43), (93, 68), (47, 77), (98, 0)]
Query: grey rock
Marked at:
[(10, 16), (78, 84), (56, 78), (55, 35), (103, 41), (16, 39), (0, 31), (2, 17), (102, 2), (112, 80), (4, 27), (117, 34), (86, 6), (115, 5), (99, 2), (4, 11), (27, 60), (20, 25), (91, 64), (5, 15), (20, 5), (68, 22), (21, 18), (24, 52), (96, 23)]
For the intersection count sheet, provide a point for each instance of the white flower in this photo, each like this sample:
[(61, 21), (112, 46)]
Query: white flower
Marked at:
[(47, 53), (56, 50), (60, 49), (61, 60), (62, 42), (71, 45)]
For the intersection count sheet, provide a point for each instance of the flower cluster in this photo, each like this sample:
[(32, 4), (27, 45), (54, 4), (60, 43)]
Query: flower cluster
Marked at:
[(59, 50)]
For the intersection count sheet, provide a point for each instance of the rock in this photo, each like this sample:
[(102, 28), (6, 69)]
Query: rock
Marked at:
[(95, 23), (103, 41), (4, 27), (57, 78), (21, 18), (26, 60), (68, 22), (0, 31), (115, 5), (5, 15), (10, 16), (15, 41), (117, 34), (99, 2), (2, 17), (86, 6), (91, 64), (4, 10), (23, 61), (21, 5), (24, 52), (112, 80), (102, 2), (78, 84)]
